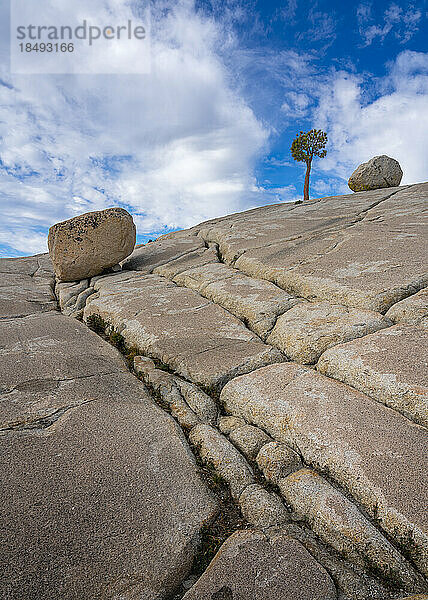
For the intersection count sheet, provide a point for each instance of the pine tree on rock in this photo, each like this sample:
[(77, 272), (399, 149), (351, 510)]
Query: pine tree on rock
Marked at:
[(305, 146)]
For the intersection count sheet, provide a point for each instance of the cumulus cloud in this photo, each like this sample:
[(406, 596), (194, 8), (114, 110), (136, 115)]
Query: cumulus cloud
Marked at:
[(175, 147), (395, 122)]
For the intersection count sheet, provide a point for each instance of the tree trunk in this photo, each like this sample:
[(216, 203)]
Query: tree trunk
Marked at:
[(308, 173)]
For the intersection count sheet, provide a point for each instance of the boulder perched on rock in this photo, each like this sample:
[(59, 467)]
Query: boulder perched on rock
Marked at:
[(378, 172), (90, 243)]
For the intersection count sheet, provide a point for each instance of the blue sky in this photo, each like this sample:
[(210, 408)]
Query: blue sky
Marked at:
[(208, 131)]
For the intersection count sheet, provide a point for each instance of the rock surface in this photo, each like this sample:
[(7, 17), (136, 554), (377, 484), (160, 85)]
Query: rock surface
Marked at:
[(215, 450), (412, 310), (249, 440), (304, 332), (378, 172), (313, 250), (102, 496), (339, 523), (277, 460), (26, 286), (252, 565), (347, 434), (86, 245), (194, 337), (386, 366)]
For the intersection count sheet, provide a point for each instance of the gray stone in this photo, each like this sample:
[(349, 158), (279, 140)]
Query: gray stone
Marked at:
[(387, 367), (373, 452), (217, 451), (352, 582), (255, 302), (261, 508), (42, 359), (86, 245), (187, 403), (249, 439), (69, 291), (252, 565), (197, 339), (412, 310), (304, 332), (277, 460), (154, 254), (100, 495), (26, 286), (314, 250), (197, 258), (339, 523), (378, 172)]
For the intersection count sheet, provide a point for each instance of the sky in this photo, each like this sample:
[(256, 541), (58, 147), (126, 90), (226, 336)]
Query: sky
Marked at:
[(208, 130)]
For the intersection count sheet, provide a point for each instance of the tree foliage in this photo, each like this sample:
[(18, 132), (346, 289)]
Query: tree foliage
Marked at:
[(308, 144)]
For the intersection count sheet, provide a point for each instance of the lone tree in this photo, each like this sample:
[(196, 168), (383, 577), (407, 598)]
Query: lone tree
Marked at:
[(305, 146)]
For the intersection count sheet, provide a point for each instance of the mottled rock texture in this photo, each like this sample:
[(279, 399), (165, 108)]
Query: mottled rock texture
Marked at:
[(100, 496), (193, 336), (252, 565), (304, 332), (378, 172), (105, 496), (387, 367), (26, 286), (86, 245), (372, 451), (339, 522), (412, 310)]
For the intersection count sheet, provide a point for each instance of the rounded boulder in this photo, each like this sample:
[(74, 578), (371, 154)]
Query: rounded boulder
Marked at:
[(89, 244), (378, 172)]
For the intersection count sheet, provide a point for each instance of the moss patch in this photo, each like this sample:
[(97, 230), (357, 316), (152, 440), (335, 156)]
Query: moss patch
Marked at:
[(116, 339)]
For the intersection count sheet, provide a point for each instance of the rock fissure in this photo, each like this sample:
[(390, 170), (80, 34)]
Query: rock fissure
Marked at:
[(244, 489), (322, 466)]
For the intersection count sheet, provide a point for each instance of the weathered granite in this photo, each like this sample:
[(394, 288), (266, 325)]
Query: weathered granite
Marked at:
[(26, 286), (305, 331), (196, 338), (66, 291), (310, 249), (252, 565), (339, 523), (196, 258), (249, 439), (86, 245), (261, 508), (228, 424), (373, 452), (258, 303), (387, 367), (42, 364), (100, 496), (75, 306), (217, 451), (277, 460), (154, 254), (378, 172), (189, 404), (411, 311)]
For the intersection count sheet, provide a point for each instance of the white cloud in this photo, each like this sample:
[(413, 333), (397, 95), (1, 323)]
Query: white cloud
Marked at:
[(296, 104), (176, 146), (395, 123), (403, 22)]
